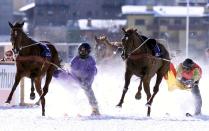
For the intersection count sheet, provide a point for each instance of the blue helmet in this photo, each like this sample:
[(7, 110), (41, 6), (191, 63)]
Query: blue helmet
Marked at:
[(85, 46), (83, 50)]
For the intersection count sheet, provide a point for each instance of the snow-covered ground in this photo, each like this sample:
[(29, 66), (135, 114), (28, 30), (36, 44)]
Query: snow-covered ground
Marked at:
[(67, 108)]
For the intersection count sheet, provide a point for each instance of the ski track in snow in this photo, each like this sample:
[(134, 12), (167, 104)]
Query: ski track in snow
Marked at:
[(67, 107)]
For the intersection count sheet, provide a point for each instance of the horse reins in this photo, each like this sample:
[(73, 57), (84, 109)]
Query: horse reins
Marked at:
[(29, 45), (138, 47), (129, 55), (38, 58)]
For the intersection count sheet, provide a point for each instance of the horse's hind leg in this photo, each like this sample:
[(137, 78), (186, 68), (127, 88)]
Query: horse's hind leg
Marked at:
[(146, 83), (138, 94), (155, 89), (32, 94), (17, 80), (128, 76), (45, 89), (38, 87)]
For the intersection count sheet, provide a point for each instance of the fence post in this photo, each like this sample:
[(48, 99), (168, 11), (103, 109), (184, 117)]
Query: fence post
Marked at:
[(22, 92)]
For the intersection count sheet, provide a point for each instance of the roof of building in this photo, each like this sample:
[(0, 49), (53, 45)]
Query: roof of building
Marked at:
[(165, 11), (95, 24), (27, 7)]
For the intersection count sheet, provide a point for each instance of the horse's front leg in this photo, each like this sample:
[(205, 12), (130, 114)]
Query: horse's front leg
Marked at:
[(128, 76), (138, 94), (17, 80)]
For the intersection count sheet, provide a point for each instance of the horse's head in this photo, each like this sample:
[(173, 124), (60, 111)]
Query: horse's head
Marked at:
[(16, 36), (100, 46), (130, 41), (100, 43)]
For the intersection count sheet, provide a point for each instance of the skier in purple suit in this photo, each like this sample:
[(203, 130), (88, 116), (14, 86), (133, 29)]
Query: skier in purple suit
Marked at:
[(83, 69)]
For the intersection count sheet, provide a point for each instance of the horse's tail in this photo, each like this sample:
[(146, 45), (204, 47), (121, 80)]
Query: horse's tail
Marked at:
[(164, 51)]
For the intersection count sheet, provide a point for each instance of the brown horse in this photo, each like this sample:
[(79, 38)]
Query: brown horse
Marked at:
[(33, 61), (104, 49), (141, 62)]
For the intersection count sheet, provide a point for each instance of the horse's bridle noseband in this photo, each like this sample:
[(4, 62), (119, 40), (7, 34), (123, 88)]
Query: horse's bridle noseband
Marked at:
[(124, 55), (16, 49)]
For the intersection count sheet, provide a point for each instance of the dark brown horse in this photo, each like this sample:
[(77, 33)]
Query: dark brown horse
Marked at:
[(104, 49), (141, 62), (32, 62)]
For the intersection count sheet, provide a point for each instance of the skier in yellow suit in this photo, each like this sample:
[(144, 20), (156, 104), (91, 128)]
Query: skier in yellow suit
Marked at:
[(188, 76)]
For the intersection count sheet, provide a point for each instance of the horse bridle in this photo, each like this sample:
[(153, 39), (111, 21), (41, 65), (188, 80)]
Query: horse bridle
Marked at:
[(124, 55), (17, 50), (14, 40)]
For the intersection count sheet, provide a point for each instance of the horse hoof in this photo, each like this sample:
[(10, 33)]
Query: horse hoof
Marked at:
[(147, 105), (119, 105), (138, 96), (6, 104), (32, 96)]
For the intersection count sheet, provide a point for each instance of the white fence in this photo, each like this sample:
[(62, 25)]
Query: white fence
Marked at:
[(7, 78)]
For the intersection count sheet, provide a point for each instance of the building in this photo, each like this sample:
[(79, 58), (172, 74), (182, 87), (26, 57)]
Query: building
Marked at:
[(17, 4), (89, 28), (166, 2), (6, 14), (95, 9), (50, 19), (192, 2), (54, 12), (169, 23)]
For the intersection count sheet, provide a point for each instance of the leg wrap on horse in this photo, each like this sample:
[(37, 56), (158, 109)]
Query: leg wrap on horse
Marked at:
[(125, 89)]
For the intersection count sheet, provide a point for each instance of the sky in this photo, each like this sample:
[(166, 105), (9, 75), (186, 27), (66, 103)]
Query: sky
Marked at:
[(67, 108)]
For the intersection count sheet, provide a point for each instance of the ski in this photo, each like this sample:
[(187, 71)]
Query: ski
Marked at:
[(189, 115)]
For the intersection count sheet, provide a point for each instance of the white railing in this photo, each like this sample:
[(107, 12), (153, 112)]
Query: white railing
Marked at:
[(7, 78)]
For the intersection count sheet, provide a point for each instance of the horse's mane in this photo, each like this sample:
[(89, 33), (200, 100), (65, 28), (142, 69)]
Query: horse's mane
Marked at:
[(143, 38), (132, 30), (19, 26)]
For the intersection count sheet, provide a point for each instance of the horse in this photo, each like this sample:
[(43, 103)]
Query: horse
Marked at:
[(33, 60), (141, 62), (104, 49)]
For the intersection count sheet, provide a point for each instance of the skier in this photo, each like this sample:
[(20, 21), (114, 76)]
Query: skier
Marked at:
[(83, 69), (189, 74)]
